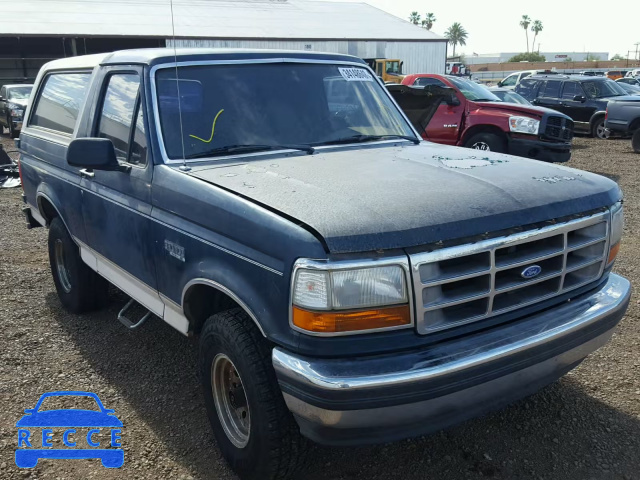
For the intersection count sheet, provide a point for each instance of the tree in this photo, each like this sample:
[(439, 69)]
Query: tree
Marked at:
[(536, 28), (414, 18), (592, 58), (528, 57), (617, 57), (457, 35), (428, 21), (524, 23)]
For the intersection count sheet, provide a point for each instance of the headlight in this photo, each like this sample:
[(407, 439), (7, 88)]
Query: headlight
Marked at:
[(344, 300), (617, 226), (524, 125), (17, 112)]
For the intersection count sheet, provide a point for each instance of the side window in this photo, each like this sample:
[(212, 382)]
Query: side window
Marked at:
[(528, 88), (119, 108), (525, 75), (510, 81), (569, 90), (58, 104), (3, 92), (551, 89)]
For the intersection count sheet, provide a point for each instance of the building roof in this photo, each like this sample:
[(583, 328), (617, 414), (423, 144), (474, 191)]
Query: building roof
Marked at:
[(152, 56), (224, 19)]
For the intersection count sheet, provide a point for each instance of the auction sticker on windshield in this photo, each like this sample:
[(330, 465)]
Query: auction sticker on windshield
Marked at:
[(83, 428), (355, 74)]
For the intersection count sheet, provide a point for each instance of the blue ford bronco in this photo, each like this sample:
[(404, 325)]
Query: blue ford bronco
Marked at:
[(347, 282)]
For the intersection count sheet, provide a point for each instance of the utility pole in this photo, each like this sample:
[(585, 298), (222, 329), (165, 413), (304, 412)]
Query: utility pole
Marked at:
[(636, 44)]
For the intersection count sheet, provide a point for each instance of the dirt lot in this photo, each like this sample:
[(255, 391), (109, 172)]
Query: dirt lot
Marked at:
[(586, 426)]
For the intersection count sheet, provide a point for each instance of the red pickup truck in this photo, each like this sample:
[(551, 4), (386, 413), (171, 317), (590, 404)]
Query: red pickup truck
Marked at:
[(473, 117)]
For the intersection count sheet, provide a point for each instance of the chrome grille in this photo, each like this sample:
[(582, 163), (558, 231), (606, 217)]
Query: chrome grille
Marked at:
[(463, 284)]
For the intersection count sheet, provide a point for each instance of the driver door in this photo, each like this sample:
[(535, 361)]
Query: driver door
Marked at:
[(446, 123), (117, 204)]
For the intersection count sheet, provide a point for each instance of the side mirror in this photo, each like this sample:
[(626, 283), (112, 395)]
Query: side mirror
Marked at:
[(579, 98), (452, 101), (95, 154), (1, 98), (500, 83)]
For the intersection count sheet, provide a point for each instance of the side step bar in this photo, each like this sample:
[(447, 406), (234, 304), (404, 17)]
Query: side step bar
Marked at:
[(125, 320)]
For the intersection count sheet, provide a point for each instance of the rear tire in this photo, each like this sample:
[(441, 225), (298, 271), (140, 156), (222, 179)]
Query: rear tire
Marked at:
[(79, 288), (255, 431), (487, 142), (598, 130), (635, 141)]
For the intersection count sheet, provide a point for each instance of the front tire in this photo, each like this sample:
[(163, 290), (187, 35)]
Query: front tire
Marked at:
[(487, 142), (79, 288), (255, 431)]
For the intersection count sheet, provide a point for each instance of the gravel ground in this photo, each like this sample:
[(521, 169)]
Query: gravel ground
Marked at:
[(586, 426)]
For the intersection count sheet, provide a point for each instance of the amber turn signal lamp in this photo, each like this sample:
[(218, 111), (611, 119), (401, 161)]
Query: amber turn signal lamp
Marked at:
[(351, 321), (613, 253)]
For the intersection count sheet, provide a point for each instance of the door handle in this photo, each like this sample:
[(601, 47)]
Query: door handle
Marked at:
[(86, 173)]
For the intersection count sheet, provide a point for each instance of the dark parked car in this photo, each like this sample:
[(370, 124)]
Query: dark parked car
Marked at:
[(630, 81), (630, 89), (13, 102), (623, 118), (583, 98), (345, 280)]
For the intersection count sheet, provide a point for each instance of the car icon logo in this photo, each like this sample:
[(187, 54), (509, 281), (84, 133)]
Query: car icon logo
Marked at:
[(36, 435), (531, 271)]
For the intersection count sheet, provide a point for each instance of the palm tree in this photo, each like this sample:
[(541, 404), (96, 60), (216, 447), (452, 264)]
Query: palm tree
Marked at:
[(428, 21), (414, 18), (536, 28), (524, 23), (457, 35)]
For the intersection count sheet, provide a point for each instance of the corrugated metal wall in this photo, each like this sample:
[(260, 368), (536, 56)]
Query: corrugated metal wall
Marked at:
[(418, 57)]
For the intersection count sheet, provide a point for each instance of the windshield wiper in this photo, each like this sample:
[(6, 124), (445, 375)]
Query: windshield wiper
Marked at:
[(248, 149), (367, 138)]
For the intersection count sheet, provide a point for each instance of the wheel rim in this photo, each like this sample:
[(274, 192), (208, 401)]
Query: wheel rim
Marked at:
[(61, 267), (481, 146), (230, 400), (600, 131)]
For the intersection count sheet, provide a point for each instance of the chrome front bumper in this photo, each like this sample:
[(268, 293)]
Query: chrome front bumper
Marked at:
[(388, 397)]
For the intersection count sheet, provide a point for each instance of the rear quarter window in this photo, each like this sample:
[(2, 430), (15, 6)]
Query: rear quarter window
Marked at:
[(59, 101), (528, 88)]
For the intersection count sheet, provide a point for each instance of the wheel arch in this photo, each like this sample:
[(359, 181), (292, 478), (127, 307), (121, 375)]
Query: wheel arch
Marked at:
[(635, 124), (47, 207), (202, 297), (596, 116)]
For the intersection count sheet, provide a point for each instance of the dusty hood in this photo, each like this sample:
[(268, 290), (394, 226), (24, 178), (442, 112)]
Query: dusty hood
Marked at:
[(402, 196)]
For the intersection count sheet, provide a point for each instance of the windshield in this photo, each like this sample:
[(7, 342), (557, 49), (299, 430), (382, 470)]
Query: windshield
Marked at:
[(19, 93), (511, 97), (473, 91), (603, 89), (272, 104), (393, 67)]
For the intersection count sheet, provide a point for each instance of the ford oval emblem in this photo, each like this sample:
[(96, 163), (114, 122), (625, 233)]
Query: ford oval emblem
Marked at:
[(531, 271)]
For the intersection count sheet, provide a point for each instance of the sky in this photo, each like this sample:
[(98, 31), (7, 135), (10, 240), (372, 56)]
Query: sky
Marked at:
[(493, 27)]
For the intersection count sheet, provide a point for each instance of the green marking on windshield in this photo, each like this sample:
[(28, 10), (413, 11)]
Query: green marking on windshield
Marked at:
[(213, 129)]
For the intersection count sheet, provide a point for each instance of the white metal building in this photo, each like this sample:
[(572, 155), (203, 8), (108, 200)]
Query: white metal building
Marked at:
[(43, 29)]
